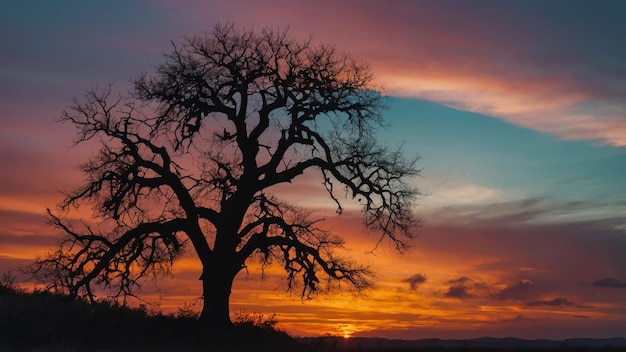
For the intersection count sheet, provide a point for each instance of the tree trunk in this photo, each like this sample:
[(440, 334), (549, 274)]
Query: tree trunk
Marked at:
[(216, 287)]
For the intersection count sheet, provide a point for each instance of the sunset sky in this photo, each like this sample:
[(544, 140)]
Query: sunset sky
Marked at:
[(517, 109)]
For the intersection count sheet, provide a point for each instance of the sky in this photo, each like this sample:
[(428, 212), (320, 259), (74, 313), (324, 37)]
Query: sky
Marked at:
[(517, 110)]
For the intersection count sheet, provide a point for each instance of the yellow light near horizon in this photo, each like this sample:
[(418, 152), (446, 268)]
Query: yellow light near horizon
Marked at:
[(347, 330)]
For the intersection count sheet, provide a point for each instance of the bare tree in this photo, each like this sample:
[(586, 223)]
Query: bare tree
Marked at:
[(191, 157)]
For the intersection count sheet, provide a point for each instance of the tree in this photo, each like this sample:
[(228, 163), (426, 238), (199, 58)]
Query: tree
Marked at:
[(191, 156)]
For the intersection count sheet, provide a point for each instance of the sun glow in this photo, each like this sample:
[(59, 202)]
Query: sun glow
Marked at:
[(347, 330)]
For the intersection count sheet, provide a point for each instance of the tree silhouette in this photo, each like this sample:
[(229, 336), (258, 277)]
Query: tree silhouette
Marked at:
[(191, 156)]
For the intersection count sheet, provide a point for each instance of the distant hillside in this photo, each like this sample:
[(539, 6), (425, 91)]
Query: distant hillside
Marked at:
[(480, 344)]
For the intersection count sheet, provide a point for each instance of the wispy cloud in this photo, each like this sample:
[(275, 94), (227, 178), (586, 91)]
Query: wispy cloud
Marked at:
[(556, 302), (530, 64), (610, 282), (540, 211)]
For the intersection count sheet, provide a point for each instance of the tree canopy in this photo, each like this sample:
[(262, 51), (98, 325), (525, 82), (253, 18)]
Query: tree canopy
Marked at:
[(190, 160)]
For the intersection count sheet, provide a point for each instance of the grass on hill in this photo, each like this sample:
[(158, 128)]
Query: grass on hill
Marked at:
[(43, 321)]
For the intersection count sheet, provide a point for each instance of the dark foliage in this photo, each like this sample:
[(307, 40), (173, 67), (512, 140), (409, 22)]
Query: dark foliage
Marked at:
[(52, 322)]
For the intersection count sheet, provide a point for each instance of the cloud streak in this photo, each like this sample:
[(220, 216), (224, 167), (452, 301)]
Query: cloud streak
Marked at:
[(610, 283), (556, 302), (514, 61)]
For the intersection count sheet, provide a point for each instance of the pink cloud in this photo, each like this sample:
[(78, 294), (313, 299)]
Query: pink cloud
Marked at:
[(498, 60)]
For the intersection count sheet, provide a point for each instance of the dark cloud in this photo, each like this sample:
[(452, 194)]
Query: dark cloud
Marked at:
[(465, 287), (458, 292), (518, 291), (610, 282), (461, 280), (557, 302), (415, 280)]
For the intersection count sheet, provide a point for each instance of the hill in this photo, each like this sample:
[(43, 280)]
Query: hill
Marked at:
[(355, 344), (43, 321)]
